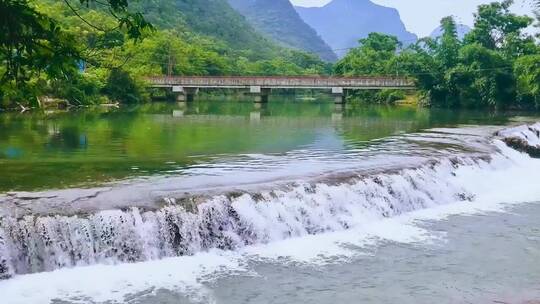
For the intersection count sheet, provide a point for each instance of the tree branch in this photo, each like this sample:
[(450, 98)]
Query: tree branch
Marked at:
[(81, 17)]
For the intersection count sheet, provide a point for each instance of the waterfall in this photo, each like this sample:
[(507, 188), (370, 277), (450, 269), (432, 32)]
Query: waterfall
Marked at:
[(229, 221)]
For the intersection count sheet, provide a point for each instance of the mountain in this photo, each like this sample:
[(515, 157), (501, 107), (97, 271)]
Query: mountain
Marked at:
[(462, 30), (279, 21), (212, 18), (341, 23)]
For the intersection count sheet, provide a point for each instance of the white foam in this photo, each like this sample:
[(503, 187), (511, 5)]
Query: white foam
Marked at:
[(100, 283), (497, 186), (338, 247), (505, 181)]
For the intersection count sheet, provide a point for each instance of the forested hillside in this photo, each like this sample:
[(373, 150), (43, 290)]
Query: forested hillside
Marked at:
[(96, 60), (279, 20), (213, 18)]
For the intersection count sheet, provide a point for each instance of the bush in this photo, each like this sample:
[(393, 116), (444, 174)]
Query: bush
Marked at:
[(382, 96), (121, 87), (389, 96)]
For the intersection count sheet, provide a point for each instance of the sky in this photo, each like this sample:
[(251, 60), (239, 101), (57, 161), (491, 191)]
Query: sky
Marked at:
[(422, 16)]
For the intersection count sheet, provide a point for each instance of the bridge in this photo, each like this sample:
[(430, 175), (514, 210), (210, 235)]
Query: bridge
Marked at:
[(186, 87)]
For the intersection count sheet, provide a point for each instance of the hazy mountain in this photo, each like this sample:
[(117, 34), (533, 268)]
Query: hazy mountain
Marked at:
[(341, 23), (279, 20), (462, 30)]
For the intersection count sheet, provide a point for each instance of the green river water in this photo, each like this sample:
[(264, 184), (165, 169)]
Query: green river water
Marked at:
[(85, 147)]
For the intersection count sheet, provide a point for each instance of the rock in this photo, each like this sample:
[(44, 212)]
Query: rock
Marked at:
[(521, 145), (5, 270), (524, 138)]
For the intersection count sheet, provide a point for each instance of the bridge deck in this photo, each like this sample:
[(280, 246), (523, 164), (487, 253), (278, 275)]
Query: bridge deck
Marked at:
[(281, 82)]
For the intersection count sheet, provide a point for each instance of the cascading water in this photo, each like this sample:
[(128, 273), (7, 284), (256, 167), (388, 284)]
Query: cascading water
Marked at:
[(42, 243), (36, 243)]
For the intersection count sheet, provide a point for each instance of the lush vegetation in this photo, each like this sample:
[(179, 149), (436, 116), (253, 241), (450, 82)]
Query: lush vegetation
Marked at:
[(99, 52), (94, 52), (496, 65)]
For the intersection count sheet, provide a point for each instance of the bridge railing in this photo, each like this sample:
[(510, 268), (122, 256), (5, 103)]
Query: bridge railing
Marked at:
[(279, 81)]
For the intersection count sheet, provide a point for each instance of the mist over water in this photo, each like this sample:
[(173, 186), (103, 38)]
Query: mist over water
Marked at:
[(308, 185)]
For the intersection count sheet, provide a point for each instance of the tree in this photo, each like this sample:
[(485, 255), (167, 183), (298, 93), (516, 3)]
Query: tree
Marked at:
[(478, 71), (121, 87), (527, 69), (489, 84), (372, 56), (448, 49), (495, 25), (31, 43)]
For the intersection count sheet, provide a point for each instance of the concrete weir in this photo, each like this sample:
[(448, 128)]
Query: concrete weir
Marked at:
[(260, 87)]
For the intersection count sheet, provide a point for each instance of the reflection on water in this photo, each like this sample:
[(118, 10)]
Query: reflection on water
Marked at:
[(86, 147)]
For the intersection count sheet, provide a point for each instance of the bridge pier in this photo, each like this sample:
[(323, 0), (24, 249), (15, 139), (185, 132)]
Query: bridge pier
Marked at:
[(260, 95), (339, 95), (184, 94)]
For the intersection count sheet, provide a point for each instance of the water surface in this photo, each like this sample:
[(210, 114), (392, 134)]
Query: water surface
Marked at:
[(44, 150)]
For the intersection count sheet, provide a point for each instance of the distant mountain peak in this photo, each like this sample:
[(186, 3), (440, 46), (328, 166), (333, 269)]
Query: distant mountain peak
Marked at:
[(341, 23)]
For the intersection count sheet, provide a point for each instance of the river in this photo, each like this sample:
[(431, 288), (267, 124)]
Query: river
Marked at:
[(289, 202)]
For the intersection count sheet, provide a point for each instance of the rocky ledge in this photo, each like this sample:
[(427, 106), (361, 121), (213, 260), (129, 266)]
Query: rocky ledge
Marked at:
[(525, 138)]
